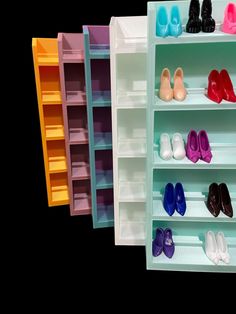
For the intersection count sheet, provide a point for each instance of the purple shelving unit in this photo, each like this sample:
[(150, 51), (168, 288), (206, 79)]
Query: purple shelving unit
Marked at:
[(72, 76)]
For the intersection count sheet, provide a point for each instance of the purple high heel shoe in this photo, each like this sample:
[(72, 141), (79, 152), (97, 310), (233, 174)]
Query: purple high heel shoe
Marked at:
[(158, 242), (169, 246), (204, 146), (192, 149)]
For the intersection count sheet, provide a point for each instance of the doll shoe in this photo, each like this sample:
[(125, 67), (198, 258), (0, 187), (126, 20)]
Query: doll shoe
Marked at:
[(169, 199), (165, 92), (226, 205), (165, 147), (194, 23), (180, 199), (211, 247), (214, 91), (204, 146), (208, 23), (162, 24), (175, 25), (158, 242), (178, 146), (192, 150), (222, 247), (229, 24), (179, 89), (213, 200), (227, 86), (169, 246)]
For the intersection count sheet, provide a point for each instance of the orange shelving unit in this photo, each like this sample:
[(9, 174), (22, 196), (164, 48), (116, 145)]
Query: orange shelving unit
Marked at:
[(46, 68)]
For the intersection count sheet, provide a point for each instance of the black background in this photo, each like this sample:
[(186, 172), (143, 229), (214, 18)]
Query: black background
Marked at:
[(68, 248)]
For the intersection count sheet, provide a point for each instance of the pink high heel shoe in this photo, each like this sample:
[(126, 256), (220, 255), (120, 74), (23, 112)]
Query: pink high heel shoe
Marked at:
[(229, 24), (204, 146), (192, 150)]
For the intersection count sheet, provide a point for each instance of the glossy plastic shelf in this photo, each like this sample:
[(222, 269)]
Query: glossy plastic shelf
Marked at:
[(71, 47), (104, 179), (101, 99), (77, 98), (99, 51), (80, 170), (132, 192), (196, 100), (59, 189), (131, 100), (102, 140)]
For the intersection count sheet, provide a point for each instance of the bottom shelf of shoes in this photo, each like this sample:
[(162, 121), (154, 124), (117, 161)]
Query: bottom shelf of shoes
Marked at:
[(189, 255)]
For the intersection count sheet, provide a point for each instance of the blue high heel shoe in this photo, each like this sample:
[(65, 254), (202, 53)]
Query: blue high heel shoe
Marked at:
[(180, 199), (175, 25), (162, 23), (169, 199)]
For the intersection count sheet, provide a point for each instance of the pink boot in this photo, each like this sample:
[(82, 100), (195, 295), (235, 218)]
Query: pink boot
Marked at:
[(229, 24)]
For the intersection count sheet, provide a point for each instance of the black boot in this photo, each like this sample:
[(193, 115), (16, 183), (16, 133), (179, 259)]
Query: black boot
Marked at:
[(208, 23), (194, 24)]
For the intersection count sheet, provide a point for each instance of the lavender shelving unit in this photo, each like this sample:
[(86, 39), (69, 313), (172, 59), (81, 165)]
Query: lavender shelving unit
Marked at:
[(72, 77)]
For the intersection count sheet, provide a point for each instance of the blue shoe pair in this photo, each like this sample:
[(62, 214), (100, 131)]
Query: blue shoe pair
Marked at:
[(163, 242), (164, 27), (174, 199)]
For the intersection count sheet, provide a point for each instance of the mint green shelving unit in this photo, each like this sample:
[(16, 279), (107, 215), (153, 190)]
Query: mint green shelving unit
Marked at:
[(197, 54)]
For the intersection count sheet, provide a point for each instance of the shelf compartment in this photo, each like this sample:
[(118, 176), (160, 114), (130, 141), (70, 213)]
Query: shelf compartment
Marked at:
[(56, 156), (53, 121), (130, 212), (50, 84), (81, 197), (77, 125), (99, 43), (221, 129), (75, 83), (131, 170), (47, 51), (132, 192), (186, 38), (196, 100), (131, 74), (131, 132), (133, 232), (101, 98), (130, 34), (79, 162), (59, 189), (189, 253), (196, 186), (72, 47), (131, 100), (105, 208), (102, 128), (103, 168)]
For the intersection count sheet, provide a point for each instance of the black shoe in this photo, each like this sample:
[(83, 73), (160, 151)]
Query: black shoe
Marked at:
[(194, 24), (208, 23)]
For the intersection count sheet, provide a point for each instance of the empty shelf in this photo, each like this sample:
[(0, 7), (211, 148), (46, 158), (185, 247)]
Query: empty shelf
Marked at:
[(132, 100), (133, 231), (196, 100), (101, 99), (53, 97), (105, 213), (82, 202), (104, 179), (57, 164), (54, 132), (76, 97), (60, 195), (132, 148), (73, 55), (48, 59), (99, 51), (132, 192), (102, 140), (223, 158), (196, 210), (80, 170), (78, 136)]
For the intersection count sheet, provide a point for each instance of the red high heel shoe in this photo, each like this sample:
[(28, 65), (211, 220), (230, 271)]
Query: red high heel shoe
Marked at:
[(227, 86), (214, 91)]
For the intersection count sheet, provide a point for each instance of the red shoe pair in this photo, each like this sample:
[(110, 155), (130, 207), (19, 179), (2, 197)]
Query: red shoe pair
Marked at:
[(220, 87)]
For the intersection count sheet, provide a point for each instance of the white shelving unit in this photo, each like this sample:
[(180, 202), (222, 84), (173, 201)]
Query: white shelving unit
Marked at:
[(128, 53)]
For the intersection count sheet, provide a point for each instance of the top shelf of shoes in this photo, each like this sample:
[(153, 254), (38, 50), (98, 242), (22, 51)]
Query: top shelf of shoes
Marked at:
[(217, 36)]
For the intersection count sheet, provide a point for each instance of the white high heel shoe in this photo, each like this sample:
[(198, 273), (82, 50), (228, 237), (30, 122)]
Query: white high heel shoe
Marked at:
[(211, 247), (178, 146), (165, 147), (222, 247)]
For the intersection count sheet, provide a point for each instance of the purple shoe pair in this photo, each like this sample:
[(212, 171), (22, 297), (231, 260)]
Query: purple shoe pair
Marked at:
[(198, 146), (163, 242)]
